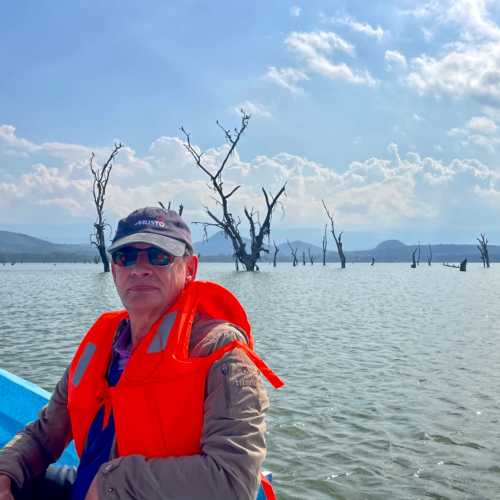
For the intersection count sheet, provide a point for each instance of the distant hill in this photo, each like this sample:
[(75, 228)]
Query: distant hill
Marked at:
[(395, 251), (18, 247), (217, 244)]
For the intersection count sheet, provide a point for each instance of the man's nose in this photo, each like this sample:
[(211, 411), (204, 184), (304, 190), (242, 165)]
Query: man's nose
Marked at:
[(142, 266)]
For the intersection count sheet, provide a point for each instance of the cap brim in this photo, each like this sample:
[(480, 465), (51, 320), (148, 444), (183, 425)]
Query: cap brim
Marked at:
[(170, 245)]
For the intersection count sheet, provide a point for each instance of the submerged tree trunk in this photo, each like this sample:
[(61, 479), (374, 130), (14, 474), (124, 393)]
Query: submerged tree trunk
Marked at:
[(324, 245), (100, 241), (276, 250), (338, 239), (414, 262), (483, 249), (293, 252)]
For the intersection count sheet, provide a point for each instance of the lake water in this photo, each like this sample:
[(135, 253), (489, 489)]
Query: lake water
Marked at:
[(392, 374)]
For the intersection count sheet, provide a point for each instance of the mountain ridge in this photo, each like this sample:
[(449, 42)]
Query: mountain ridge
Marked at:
[(22, 247)]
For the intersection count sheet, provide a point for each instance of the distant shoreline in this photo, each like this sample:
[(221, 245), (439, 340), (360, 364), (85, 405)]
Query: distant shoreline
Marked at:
[(8, 259)]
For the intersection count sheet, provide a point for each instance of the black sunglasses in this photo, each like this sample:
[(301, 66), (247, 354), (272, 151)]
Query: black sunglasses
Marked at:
[(127, 256)]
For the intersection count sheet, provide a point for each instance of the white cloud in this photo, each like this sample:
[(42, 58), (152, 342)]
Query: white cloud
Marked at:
[(467, 67), (360, 27), (480, 131), (313, 49), (376, 192), (470, 16), (395, 58), (8, 136), (309, 44), (295, 11), (287, 78), (482, 125), (464, 71), (417, 117), (456, 132), (253, 108)]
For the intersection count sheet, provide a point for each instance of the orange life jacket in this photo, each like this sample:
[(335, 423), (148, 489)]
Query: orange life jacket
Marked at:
[(158, 402)]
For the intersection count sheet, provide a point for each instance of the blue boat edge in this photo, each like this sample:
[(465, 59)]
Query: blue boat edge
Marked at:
[(21, 402)]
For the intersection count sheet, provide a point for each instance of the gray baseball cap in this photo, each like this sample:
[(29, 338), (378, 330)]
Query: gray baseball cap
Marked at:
[(155, 226)]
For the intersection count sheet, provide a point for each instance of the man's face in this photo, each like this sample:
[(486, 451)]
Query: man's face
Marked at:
[(145, 288)]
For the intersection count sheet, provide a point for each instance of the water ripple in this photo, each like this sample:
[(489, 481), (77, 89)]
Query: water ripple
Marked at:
[(392, 374)]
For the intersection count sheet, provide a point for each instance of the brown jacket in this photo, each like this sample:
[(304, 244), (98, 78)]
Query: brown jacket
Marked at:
[(233, 441)]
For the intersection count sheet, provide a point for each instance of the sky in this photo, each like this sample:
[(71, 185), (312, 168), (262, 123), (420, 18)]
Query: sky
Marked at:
[(389, 111)]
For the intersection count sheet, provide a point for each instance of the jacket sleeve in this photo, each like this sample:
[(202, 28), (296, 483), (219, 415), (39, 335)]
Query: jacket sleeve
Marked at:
[(233, 443), (41, 442)]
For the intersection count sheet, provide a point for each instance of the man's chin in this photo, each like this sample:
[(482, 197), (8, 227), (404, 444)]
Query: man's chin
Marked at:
[(143, 300)]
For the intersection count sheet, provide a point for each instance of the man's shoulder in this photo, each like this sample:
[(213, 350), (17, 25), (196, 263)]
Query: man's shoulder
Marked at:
[(208, 335)]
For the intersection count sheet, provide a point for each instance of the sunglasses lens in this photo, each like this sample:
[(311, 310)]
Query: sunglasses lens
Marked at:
[(125, 257), (158, 257)]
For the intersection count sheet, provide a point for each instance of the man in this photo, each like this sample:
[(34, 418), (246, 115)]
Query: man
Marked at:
[(162, 399)]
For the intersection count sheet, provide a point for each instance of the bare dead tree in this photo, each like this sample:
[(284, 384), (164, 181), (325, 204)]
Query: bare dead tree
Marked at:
[(226, 221), (324, 244), (293, 252), (276, 250), (99, 185), (311, 256), (338, 239), (303, 257), (429, 255), (414, 262), (483, 249), (418, 255), (181, 207), (373, 261)]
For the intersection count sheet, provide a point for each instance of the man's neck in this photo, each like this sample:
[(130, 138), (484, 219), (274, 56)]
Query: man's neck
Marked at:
[(140, 324)]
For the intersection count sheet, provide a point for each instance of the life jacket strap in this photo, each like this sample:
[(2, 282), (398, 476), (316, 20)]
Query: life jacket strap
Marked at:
[(273, 379)]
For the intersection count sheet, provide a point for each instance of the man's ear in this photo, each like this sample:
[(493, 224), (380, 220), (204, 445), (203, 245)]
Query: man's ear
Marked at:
[(191, 267)]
